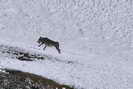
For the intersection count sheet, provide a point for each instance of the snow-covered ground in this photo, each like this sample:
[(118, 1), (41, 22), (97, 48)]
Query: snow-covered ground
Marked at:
[(95, 36)]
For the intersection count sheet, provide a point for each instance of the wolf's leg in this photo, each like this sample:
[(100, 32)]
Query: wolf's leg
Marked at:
[(44, 47), (58, 49), (40, 44)]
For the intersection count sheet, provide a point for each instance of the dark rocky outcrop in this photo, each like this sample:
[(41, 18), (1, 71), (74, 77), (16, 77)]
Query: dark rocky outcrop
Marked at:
[(13, 79)]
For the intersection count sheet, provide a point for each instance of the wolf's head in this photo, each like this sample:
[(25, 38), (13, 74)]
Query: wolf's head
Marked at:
[(39, 40)]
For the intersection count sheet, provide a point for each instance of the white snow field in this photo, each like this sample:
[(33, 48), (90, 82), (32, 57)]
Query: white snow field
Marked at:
[(95, 36)]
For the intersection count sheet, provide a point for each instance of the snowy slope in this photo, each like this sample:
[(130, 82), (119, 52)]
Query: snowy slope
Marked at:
[(95, 23), (96, 35), (87, 72)]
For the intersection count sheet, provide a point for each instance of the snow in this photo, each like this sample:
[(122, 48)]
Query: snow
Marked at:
[(93, 71), (95, 36)]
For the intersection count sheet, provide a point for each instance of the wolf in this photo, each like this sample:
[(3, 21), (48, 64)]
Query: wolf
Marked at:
[(48, 42)]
